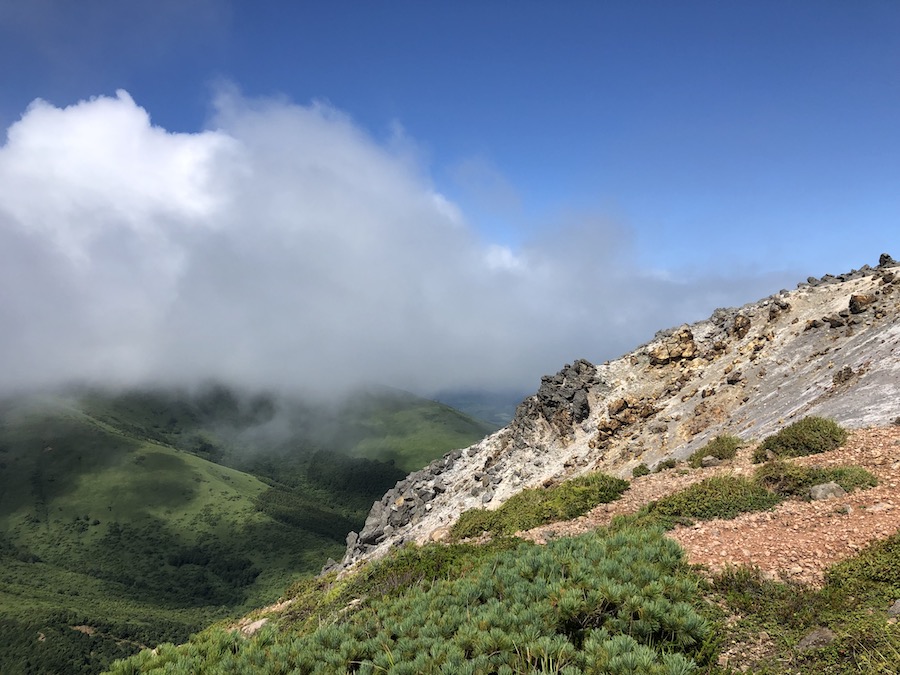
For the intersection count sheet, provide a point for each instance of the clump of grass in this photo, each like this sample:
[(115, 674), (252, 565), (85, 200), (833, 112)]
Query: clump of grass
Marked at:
[(790, 480), (717, 497), (721, 447), (640, 470), (808, 436), (536, 506)]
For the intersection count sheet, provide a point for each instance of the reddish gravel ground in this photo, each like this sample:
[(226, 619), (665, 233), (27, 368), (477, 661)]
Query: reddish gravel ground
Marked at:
[(798, 539)]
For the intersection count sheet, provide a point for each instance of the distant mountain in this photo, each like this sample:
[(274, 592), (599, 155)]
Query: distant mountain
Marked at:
[(495, 407), (136, 517)]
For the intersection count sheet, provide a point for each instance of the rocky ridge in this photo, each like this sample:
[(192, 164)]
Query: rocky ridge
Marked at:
[(831, 347)]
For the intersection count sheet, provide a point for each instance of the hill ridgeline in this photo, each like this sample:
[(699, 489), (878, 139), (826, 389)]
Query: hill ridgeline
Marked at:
[(831, 347)]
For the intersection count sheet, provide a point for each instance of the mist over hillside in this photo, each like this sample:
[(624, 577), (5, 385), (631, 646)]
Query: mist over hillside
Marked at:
[(146, 514), (286, 247)]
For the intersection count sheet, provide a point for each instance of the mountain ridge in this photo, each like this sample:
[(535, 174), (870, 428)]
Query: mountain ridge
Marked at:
[(831, 347)]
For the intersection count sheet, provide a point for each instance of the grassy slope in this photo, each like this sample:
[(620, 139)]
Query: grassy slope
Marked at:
[(101, 528), (107, 519), (407, 430), (752, 622)]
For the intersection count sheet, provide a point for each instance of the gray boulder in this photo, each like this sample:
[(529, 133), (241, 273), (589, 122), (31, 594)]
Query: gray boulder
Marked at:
[(826, 491), (817, 638)]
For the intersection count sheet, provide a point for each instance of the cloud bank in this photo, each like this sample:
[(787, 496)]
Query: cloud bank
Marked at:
[(286, 247)]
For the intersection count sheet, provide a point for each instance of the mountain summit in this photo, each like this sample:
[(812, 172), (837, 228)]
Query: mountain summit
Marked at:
[(831, 347)]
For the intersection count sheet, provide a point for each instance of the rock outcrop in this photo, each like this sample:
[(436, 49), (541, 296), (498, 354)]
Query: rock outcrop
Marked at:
[(831, 347)]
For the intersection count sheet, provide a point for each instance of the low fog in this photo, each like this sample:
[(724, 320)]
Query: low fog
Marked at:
[(285, 247)]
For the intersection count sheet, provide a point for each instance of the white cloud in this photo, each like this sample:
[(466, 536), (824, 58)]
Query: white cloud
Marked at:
[(288, 248)]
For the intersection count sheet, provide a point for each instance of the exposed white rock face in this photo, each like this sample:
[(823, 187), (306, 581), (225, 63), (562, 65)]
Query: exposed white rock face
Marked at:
[(831, 348)]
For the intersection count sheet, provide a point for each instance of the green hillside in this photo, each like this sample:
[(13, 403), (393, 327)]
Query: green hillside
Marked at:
[(131, 519), (392, 425), (619, 600)]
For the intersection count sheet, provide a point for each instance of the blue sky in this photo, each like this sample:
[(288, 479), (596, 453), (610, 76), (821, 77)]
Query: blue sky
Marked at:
[(704, 152)]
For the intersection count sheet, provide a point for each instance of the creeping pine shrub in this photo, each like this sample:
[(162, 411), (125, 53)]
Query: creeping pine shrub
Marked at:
[(640, 470), (606, 603), (320, 600), (721, 447), (790, 480), (533, 507), (808, 436), (717, 497)]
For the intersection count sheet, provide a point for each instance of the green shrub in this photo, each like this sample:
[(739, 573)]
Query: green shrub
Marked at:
[(721, 447), (532, 507), (808, 436), (319, 600), (615, 603), (670, 463), (640, 470), (789, 480), (878, 564), (716, 497)]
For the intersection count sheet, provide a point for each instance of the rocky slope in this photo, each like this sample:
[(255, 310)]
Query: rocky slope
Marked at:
[(831, 347)]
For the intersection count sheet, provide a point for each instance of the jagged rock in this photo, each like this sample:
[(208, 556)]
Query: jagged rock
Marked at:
[(740, 327), (894, 610), (617, 406), (885, 260), (845, 374), (777, 308), (709, 460), (562, 398), (834, 321), (330, 565), (734, 377), (859, 303), (815, 639), (826, 491), (721, 315), (679, 346)]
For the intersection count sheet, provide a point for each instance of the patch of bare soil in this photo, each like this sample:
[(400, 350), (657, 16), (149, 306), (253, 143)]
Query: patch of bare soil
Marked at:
[(798, 539)]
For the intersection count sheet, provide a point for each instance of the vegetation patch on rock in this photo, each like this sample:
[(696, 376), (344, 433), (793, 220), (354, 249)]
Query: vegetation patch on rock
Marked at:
[(722, 447), (640, 470), (717, 497), (532, 507), (809, 436), (792, 480)]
